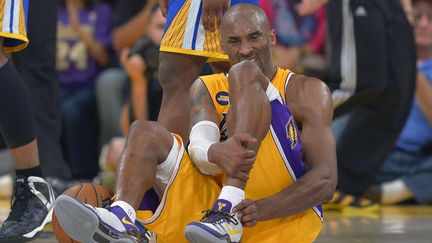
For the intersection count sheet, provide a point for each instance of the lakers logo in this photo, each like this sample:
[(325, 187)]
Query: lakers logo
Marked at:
[(292, 133), (222, 98), (221, 205)]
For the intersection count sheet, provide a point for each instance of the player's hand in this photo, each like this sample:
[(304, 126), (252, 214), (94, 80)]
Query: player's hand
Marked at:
[(135, 65), (306, 7), (163, 4), (233, 156), (212, 12), (247, 212)]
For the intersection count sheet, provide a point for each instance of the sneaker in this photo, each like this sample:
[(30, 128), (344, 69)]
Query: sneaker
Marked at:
[(31, 210), (217, 225), (86, 223), (349, 204)]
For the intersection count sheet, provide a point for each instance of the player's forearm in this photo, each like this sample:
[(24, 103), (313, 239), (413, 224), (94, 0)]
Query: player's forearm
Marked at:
[(313, 188)]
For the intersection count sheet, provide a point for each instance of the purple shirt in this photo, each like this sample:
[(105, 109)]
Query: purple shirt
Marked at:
[(75, 66)]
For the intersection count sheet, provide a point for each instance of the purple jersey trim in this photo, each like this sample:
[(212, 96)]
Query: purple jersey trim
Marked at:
[(281, 116)]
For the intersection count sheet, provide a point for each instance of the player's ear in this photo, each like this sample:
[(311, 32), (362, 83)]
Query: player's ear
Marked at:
[(272, 37)]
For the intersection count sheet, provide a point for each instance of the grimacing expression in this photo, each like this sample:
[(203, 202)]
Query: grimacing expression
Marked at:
[(246, 36)]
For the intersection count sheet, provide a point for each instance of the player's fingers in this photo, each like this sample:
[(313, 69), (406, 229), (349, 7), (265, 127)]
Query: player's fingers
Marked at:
[(250, 154), (239, 207), (249, 224), (250, 209), (212, 21), (246, 168), (248, 218), (163, 4)]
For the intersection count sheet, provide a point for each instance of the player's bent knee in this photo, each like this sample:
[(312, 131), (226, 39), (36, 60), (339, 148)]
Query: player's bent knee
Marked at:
[(244, 72), (146, 129)]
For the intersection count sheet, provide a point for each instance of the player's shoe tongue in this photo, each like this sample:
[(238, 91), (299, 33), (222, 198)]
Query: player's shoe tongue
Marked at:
[(222, 205), (124, 218)]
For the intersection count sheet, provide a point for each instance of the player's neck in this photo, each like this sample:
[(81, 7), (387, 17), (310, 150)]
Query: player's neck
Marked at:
[(270, 72)]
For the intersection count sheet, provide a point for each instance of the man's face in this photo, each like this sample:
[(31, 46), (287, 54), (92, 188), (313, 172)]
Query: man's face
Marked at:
[(247, 38), (156, 27), (423, 23)]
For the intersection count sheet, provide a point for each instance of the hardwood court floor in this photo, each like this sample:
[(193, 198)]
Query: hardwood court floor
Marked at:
[(404, 224)]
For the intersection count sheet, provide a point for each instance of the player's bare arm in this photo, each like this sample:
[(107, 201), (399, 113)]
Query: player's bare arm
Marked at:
[(230, 156), (312, 107)]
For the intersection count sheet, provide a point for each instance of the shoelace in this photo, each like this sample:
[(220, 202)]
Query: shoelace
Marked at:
[(138, 235), (215, 216), (19, 199)]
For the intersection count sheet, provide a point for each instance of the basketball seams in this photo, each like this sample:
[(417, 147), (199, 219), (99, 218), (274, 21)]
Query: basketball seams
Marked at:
[(96, 195)]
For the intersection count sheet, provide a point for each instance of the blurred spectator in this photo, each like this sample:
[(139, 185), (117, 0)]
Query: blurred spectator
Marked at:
[(298, 37), (141, 63), (36, 65), (131, 20), (408, 170), (84, 38), (372, 77)]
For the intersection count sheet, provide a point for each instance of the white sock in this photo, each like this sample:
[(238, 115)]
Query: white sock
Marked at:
[(129, 210), (394, 192), (232, 194)]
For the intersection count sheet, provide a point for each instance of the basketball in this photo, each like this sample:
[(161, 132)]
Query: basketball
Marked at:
[(93, 194)]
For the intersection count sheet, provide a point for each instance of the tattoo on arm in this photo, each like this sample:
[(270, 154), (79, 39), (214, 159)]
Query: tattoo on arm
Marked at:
[(195, 104), (196, 100)]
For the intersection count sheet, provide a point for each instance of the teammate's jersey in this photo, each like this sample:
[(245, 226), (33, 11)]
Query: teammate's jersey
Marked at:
[(184, 32), (13, 24), (278, 165)]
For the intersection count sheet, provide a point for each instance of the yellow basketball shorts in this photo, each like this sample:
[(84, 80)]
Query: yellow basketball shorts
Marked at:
[(185, 34), (13, 22)]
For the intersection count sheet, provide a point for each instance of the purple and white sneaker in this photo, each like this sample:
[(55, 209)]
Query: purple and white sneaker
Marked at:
[(217, 225), (88, 224)]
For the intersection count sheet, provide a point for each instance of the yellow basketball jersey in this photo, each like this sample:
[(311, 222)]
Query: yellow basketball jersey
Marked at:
[(187, 194), (278, 165)]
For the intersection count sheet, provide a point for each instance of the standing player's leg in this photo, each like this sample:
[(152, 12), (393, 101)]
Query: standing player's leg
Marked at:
[(36, 65), (249, 113), (177, 72), (148, 145), (32, 196)]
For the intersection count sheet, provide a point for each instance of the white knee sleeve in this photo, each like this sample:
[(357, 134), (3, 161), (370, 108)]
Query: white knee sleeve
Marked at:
[(166, 168)]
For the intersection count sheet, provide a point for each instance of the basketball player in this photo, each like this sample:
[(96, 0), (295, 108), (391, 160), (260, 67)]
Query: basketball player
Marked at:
[(191, 39), (33, 196), (266, 130)]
